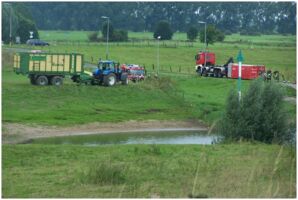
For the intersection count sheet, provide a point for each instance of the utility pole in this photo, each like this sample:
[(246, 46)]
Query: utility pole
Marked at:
[(10, 26), (240, 58), (201, 22), (158, 38), (107, 48)]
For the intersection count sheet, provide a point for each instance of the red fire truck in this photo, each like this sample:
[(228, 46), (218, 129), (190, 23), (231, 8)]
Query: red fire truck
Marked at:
[(205, 66)]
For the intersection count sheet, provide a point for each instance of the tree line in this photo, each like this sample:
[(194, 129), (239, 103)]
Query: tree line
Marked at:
[(230, 17)]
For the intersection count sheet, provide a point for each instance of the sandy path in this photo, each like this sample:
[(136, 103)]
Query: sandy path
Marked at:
[(14, 132)]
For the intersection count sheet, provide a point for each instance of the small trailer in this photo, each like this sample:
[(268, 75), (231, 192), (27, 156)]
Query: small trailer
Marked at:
[(48, 68)]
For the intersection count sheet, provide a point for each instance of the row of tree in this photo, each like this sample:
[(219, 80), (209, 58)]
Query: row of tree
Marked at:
[(17, 22), (263, 17)]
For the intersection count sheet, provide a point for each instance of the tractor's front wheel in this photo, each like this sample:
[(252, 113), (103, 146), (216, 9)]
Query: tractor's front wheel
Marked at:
[(109, 80)]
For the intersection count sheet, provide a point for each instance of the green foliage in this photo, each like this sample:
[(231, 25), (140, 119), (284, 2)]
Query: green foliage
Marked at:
[(7, 12), (93, 36), (103, 173), (120, 35), (218, 171), (25, 26), (140, 16), (104, 30), (259, 115), (114, 35), (192, 33), (22, 22), (163, 30), (250, 32), (213, 35)]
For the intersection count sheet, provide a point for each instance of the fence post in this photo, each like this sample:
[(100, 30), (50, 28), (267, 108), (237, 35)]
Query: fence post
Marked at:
[(153, 67), (171, 68), (179, 68)]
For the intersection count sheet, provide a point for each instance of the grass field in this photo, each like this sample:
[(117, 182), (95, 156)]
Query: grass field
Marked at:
[(187, 95), (276, 52), (215, 171)]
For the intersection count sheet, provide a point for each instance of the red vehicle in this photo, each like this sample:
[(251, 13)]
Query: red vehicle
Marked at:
[(135, 72), (205, 66), (247, 71), (210, 58)]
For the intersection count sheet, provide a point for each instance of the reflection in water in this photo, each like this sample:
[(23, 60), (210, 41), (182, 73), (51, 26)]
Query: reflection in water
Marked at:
[(132, 138)]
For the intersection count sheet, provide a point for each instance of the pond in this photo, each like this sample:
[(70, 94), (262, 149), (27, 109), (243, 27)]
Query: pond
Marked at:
[(181, 137)]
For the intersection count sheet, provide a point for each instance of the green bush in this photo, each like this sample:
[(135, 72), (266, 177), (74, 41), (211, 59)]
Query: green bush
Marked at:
[(103, 173), (192, 33), (120, 36), (93, 36), (163, 29), (259, 116)]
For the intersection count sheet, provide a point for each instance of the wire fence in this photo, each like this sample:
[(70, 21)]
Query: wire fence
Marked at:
[(131, 43)]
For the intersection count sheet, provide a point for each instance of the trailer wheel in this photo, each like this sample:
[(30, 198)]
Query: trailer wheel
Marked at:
[(57, 80), (109, 80), (42, 80)]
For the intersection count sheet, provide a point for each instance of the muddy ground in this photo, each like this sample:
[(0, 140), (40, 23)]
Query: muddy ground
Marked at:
[(17, 133)]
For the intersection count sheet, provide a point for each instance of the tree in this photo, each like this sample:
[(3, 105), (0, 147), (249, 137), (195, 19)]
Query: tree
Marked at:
[(120, 35), (93, 36), (105, 30), (164, 30), (22, 23), (192, 33), (24, 29), (8, 10), (259, 116), (213, 35)]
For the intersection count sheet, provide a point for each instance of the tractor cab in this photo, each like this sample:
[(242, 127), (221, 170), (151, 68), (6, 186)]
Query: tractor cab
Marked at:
[(106, 67)]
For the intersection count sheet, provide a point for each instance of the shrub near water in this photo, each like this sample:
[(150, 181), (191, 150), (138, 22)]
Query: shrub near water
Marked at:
[(258, 116), (103, 173)]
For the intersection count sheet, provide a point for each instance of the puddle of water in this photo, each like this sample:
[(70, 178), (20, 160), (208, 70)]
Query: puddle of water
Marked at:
[(189, 137)]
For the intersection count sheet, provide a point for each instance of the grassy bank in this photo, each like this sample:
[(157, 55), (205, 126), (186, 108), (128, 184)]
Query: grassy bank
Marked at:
[(238, 170), (180, 97), (181, 58)]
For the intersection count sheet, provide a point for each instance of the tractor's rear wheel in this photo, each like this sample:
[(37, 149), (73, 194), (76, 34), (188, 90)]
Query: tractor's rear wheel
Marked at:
[(109, 80), (42, 80), (57, 80)]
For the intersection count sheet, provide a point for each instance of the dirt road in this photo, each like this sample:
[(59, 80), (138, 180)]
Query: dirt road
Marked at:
[(14, 133)]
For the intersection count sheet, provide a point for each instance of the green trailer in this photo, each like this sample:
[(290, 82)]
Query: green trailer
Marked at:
[(51, 68)]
